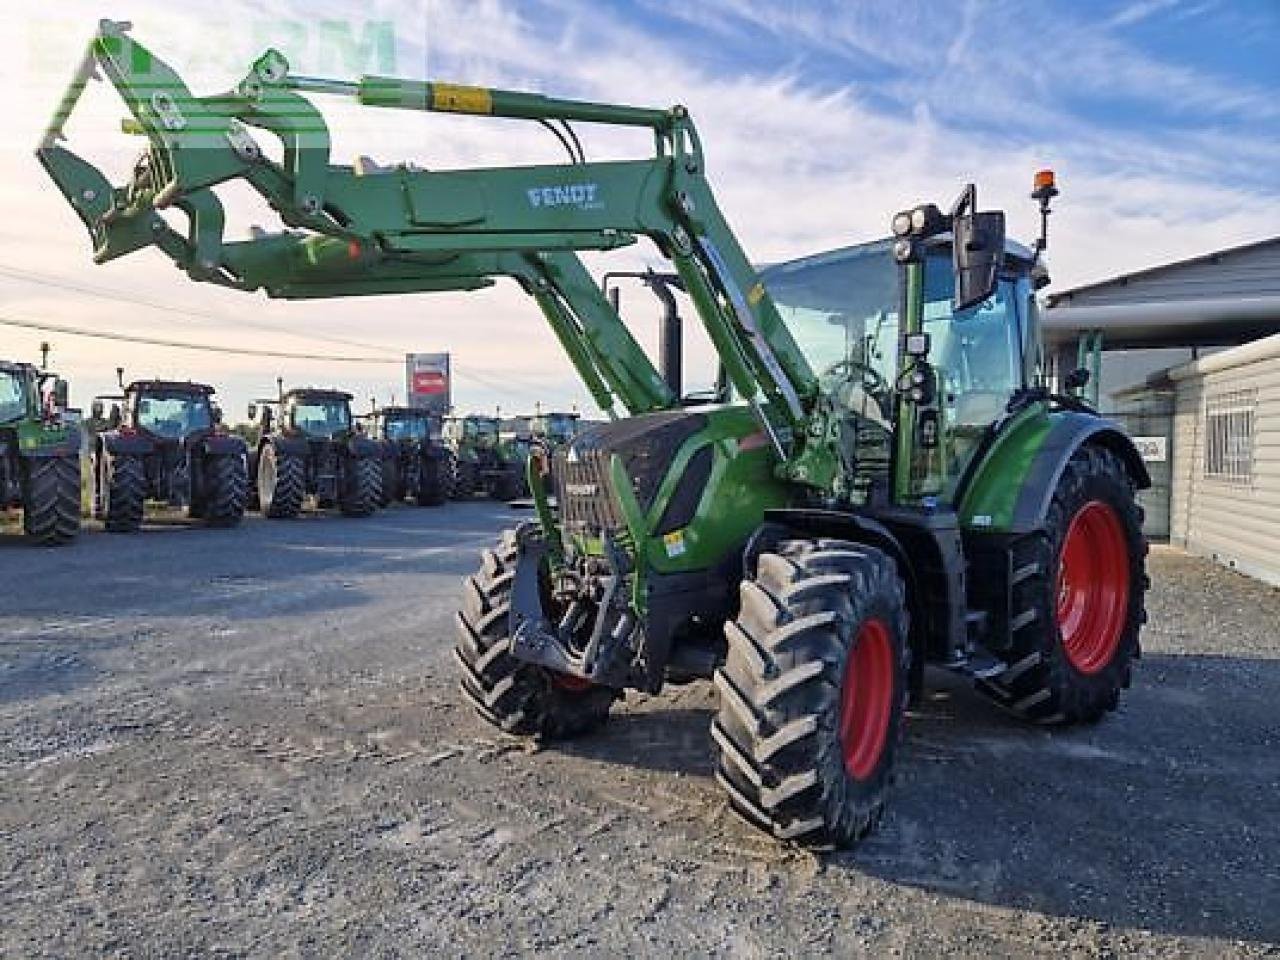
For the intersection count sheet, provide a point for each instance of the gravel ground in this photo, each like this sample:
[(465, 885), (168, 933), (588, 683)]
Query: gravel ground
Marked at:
[(248, 743)]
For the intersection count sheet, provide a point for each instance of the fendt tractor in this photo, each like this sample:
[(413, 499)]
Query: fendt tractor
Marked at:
[(39, 453), (309, 445), (888, 476), (483, 461), (415, 461), (164, 440)]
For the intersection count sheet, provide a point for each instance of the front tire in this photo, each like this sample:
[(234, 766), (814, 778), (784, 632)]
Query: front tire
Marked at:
[(433, 479), (123, 484), (364, 487), (813, 692), (51, 499), (1078, 597), (517, 697), (226, 480), (281, 484)]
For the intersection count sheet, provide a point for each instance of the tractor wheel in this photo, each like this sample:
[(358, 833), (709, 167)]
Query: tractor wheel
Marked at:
[(1078, 598), (226, 480), (813, 692), (462, 479), (506, 486), (433, 480), (281, 484), (521, 698), (124, 485), (51, 499), (364, 491), (390, 491)]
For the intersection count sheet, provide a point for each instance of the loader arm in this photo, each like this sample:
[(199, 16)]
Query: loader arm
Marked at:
[(364, 229)]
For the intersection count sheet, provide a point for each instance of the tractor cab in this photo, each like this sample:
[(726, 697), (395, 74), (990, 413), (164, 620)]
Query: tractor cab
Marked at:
[(555, 428), (317, 414), (170, 411), (844, 309), (474, 430), (407, 423), (27, 391)]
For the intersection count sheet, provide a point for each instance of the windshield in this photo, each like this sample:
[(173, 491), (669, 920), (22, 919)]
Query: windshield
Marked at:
[(173, 415), (407, 428), (555, 428), (12, 402), (483, 431), (321, 418)]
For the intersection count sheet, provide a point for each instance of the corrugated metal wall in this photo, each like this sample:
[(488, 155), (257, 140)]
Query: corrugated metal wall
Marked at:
[(1235, 522)]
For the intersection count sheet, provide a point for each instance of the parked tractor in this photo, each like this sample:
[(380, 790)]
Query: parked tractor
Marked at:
[(415, 461), (311, 447), (39, 453), (164, 440), (483, 462), (887, 477)]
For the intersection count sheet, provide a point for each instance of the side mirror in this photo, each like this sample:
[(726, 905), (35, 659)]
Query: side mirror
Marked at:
[(976, 250), (266, 418), (1077, 379), (114, 419), (216, 412), (95, 410), (61, 394), (253, 412)]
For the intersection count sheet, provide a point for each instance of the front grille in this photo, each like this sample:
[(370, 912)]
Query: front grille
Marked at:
[(582, 490)]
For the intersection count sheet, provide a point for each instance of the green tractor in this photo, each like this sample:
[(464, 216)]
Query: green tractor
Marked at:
[(39, 453), (483, 460), (310, 446), (163, 440), (887, 476), (415, 461)]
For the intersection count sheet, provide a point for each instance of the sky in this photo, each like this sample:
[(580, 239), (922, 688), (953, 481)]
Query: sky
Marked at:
[(819, 121)]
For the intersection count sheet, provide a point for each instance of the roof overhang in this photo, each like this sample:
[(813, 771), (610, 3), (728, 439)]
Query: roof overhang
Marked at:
[(1221, 322)]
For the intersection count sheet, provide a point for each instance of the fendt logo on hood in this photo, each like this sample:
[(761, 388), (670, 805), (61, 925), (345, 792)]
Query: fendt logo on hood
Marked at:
[(581, 195)]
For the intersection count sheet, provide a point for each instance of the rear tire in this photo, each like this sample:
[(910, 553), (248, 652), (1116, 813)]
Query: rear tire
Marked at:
[(518, 697), (1076, 623), (433, 479), (281, 484), (462, 482), (364, 487), (51, 499), (226, 481), (813, 692), (124, 487), (390, 491)]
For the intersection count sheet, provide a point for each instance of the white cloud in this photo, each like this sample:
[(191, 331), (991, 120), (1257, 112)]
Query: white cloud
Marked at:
[(798, 164)]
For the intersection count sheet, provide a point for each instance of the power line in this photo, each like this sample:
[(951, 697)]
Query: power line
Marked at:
[(61, 283), (184, 345)]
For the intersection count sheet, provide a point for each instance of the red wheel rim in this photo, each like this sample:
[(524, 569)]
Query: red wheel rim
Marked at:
[(866, 700), (567, 681), (1093, 587)]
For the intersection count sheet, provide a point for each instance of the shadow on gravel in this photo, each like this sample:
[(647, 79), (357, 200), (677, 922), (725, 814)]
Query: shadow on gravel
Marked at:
[(670, 741), (1165, 816)]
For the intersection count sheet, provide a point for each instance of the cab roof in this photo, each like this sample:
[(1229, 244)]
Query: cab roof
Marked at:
[(316, 393), (170, 386)]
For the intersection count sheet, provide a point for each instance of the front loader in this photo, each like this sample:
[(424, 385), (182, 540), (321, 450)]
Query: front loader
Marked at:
[(310, 446), (163, 440), (886, 477), (39, 453)]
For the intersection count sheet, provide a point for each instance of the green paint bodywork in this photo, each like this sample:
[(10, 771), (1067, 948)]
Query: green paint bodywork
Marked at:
[(987, 503)]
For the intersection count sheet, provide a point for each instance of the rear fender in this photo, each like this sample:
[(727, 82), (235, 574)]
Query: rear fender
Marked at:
[(117, 444), (287, 446), (223, 446), (1012, 487)]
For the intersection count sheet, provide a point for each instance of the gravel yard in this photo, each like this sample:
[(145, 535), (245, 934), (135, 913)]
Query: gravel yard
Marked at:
[(249, 743)]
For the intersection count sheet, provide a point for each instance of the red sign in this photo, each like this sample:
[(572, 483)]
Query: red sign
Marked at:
[(429, 381)]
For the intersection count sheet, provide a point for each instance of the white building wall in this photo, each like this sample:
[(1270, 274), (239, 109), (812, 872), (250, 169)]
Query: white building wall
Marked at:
[(1236, 523)]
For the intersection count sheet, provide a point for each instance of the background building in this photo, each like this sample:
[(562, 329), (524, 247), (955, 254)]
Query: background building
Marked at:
[(1192, 370)]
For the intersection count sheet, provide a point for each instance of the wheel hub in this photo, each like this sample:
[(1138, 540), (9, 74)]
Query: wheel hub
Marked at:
[(866, 700), (1093, 587)]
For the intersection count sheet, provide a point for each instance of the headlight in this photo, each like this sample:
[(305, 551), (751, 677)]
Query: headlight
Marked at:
[(902, 224), (919, 217), (903, 250)]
